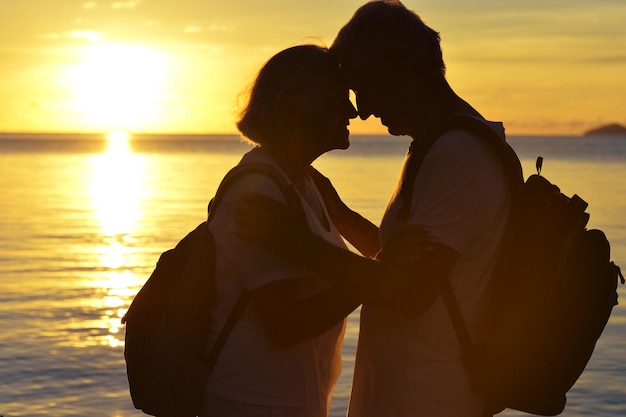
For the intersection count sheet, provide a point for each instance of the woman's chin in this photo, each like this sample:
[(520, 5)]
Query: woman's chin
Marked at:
[(340, 141), (345, 143)]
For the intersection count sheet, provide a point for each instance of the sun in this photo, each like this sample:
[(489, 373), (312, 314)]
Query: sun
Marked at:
[(118, 86)]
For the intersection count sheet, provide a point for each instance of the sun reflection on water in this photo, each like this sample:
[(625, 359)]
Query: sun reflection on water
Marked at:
[(116, 186), (117, 189)]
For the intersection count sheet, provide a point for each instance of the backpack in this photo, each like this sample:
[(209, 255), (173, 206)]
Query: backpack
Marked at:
[(168, 321), (551, 294)]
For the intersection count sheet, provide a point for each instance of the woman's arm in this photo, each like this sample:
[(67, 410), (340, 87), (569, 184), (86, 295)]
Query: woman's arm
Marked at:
[(290, 320), (356, 229), (408, 287)]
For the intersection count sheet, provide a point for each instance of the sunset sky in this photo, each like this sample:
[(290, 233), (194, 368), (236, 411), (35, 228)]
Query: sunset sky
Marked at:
[(542, 67)]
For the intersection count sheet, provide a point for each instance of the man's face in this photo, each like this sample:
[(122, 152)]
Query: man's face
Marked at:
[(379, 92)]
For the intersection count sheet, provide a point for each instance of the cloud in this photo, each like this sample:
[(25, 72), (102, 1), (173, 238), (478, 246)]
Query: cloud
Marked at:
[(606, 59), (209, 28), (86, 35), (194, 29), (131, 4)]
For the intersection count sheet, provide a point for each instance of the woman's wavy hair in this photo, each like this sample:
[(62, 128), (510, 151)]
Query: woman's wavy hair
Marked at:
[(284, 86)]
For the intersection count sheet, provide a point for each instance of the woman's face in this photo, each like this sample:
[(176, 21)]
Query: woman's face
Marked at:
[(328, 116)]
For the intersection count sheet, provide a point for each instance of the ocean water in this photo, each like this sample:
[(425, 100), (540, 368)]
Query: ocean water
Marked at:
[(83, 221)]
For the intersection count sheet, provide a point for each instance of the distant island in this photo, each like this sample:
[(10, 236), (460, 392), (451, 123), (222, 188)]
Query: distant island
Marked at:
[(612, 129)]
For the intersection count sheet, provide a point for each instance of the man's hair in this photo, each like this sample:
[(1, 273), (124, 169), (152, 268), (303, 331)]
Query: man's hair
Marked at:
[(387, 29), (296, 73)]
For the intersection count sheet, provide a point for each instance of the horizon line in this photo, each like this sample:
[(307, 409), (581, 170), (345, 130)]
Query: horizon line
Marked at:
[(138, 135)]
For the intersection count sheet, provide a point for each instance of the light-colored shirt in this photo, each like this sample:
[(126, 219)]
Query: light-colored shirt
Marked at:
[(413, 367), (251, 368)]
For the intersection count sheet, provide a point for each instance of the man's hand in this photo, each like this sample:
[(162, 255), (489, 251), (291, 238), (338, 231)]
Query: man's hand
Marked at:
[(407, 246), (270, 224)]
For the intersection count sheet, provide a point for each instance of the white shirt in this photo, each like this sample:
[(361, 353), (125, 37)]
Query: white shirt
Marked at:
[(251, 368), (413, 367)]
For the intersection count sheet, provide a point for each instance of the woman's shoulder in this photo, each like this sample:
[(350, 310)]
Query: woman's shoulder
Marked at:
[(258, 155), (257, 172)]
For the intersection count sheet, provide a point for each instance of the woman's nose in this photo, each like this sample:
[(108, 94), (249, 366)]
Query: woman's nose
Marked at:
[(364, 108)]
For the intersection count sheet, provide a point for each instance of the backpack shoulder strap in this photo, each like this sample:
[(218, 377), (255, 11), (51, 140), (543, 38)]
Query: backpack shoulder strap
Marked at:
[(292, 199), (512, 170), (254, 168)]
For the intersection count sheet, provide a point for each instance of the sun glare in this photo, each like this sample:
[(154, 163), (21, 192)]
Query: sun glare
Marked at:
[(118, 142), (118, 86)]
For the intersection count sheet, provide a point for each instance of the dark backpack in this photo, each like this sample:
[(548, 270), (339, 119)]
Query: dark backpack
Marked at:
[(550, 297), (167, 324)]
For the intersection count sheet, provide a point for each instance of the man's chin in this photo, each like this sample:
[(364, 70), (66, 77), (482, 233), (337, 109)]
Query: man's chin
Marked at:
[(391, 129), (394, 131)]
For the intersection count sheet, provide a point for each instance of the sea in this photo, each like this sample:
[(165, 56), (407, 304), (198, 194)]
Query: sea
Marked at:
[(83, 220)]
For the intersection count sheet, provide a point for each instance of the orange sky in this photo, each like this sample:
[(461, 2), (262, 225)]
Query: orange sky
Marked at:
[(542, 67)]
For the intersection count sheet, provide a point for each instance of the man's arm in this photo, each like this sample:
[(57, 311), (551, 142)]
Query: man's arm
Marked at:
[(408, 288)]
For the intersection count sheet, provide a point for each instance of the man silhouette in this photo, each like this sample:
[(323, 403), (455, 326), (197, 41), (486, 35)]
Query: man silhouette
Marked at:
[(414, 366)]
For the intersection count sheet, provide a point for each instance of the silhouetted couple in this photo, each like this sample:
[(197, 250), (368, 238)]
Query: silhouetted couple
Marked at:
[(443, 223)]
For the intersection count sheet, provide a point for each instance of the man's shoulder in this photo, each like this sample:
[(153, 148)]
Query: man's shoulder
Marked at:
[(459, 142), (462, 151), (475, 128)]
